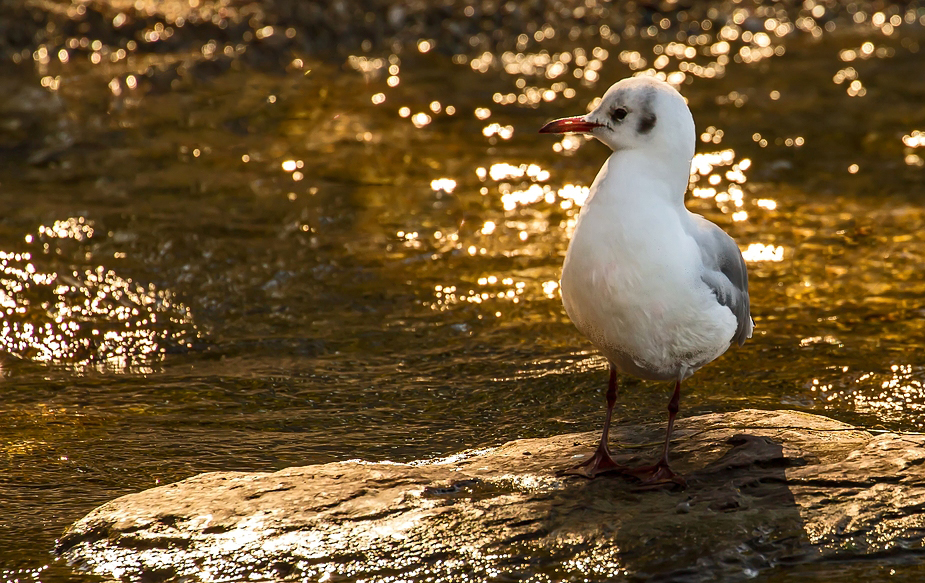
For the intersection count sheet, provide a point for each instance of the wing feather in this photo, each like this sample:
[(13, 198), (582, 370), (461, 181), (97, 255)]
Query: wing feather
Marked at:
[(725, 274)]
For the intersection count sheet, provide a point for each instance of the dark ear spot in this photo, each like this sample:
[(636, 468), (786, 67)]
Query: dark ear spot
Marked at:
[(646, 122)]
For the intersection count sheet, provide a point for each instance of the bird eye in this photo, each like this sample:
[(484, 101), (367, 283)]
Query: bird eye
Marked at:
[(618, 114)]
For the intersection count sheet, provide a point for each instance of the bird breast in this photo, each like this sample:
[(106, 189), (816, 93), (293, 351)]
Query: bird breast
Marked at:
[(631, 283)]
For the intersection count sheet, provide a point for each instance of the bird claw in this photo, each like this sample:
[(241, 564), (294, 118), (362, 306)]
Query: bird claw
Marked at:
[(657, 476), (599, 463), (654, 477)]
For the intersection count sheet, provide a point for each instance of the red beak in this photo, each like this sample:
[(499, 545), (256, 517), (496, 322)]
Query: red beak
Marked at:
[(574, 125)]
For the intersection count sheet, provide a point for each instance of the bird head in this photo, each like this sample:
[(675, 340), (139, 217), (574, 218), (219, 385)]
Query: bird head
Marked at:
[(636, 113)]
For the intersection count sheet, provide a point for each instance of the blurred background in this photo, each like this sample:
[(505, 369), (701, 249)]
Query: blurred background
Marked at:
[(249, 235)]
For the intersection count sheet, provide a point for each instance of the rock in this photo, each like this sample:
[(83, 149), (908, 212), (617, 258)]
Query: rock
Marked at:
[(765, 488)]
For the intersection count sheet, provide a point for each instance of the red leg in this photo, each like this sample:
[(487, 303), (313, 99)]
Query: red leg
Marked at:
[(601, 461), (660, 472)]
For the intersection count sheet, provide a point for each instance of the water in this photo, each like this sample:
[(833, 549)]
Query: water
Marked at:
[(255, 261)]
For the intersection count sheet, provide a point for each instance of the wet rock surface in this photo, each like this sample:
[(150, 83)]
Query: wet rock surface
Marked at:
[(766, 490)]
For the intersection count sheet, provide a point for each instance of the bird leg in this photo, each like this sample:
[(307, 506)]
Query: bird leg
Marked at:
[(601, 462), (660, 473)]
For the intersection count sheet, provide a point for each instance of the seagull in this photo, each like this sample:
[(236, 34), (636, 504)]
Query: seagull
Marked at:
[(659, 290)]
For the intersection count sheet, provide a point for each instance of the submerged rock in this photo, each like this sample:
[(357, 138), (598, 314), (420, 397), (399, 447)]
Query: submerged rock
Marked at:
[(765, 489)]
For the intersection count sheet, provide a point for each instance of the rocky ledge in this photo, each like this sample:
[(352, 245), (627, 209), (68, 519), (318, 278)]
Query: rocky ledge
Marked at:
[(766, 489)]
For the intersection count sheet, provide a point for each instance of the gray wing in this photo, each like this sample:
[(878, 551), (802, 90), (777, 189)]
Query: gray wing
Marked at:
[(725, 274)]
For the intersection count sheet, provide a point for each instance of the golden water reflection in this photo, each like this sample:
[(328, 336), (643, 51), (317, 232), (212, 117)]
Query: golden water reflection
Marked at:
[(83, 315), (911, 141), (757, 252), (897, 394)]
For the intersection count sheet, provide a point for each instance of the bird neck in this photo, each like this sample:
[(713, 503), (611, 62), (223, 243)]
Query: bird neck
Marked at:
[(635, 176)]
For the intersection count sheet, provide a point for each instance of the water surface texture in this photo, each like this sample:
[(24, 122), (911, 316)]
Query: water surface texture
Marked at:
[(241, 239)]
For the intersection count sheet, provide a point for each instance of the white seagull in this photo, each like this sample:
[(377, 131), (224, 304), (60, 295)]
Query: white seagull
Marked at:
[(659, 290)]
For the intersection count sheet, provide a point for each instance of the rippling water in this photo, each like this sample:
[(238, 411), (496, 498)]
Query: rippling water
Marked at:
[(211, 264)]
